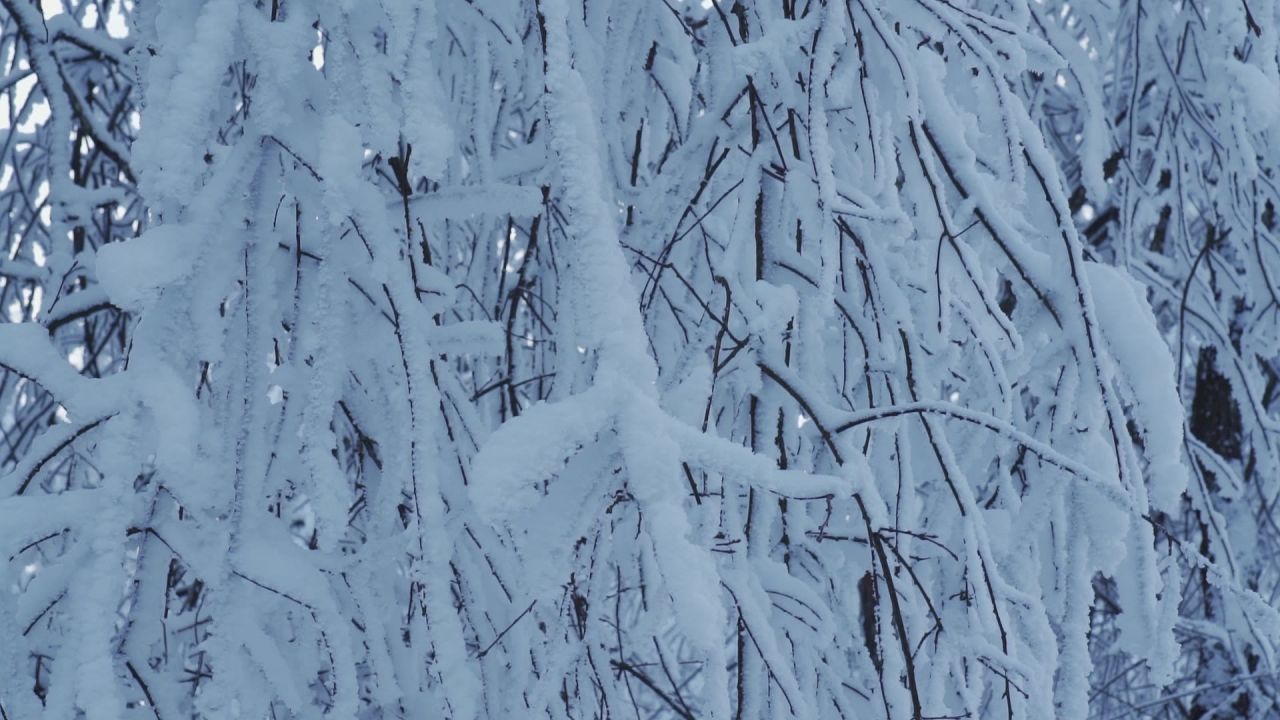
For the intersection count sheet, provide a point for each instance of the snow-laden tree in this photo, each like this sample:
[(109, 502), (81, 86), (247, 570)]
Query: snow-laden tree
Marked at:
[(66, 189), (1163, 122), (492, 359)]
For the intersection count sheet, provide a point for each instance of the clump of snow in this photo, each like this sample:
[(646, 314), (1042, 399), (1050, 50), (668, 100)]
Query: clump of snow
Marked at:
[(135, 271), (1146, 366)]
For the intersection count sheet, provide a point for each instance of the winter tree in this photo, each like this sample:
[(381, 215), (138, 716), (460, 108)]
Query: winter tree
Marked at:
[(566, 359)]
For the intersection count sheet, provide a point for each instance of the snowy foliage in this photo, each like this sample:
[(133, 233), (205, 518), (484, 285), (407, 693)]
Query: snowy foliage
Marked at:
[(498, 358), (1164, 124)]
